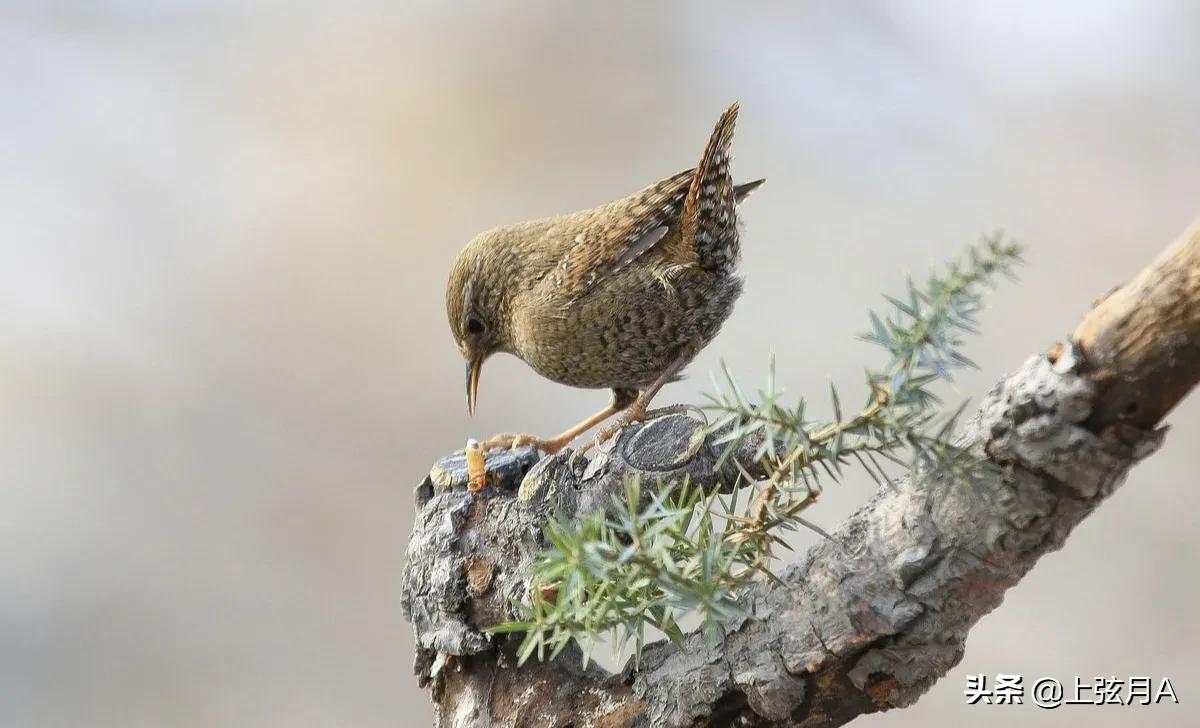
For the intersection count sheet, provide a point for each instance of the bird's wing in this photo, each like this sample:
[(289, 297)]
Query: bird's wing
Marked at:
[(624, 231), (700, 202)]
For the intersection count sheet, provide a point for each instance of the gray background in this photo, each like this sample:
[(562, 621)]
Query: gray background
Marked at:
[(224, 235)]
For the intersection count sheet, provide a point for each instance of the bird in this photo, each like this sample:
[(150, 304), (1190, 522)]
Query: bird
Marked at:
[(621, 296)]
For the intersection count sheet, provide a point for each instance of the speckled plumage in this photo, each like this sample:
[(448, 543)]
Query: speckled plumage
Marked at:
[(613, 296)]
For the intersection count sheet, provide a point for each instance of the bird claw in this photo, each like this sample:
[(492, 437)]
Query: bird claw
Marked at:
[(632, 415), (512, 441), (677, 409), (595, 442), (609, 432), (591, 445)]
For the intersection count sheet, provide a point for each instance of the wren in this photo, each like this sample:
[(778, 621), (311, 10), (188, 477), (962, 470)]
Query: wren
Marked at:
[(620, 296)]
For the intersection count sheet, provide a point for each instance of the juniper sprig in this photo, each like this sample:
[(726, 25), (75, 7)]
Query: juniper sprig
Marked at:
[(659, 553)]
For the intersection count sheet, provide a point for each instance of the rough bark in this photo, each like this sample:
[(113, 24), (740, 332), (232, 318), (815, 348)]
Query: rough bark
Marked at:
[(868, 619), (1140, 342)]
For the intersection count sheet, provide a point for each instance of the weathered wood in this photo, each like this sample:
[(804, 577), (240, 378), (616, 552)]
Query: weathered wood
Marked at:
[(1141, 344), (866, 621)]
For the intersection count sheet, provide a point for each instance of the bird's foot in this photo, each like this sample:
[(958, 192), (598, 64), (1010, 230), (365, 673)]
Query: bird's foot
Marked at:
[(633, 415), (512, 441), (635, 412), (677, 409)]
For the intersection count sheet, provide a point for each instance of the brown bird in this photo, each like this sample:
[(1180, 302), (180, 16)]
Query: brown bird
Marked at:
[(621, 296)]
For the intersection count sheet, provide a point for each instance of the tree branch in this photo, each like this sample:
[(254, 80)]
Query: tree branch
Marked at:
[(867, 620)]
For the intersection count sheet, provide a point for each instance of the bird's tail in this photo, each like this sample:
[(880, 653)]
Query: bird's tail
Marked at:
[(709, 214)]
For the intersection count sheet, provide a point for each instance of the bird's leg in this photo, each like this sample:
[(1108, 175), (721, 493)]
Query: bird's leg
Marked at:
[(636, 412), (621, 399)]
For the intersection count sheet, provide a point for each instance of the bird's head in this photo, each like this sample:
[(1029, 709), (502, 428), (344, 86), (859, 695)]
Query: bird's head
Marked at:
[(476, 306)]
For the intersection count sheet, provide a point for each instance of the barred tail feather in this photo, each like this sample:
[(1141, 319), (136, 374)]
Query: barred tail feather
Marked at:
[(709, 214)]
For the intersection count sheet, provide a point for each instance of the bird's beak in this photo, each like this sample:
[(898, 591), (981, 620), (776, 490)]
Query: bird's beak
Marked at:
[(473, 367)]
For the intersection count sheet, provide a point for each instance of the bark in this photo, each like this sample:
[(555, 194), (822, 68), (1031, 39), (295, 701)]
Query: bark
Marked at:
[(867, 620)]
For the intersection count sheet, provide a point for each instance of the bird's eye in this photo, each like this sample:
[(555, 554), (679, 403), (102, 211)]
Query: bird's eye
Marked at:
[(474, 325)]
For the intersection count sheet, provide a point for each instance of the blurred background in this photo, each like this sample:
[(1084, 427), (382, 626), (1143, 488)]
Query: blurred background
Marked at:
[(224, 236)]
